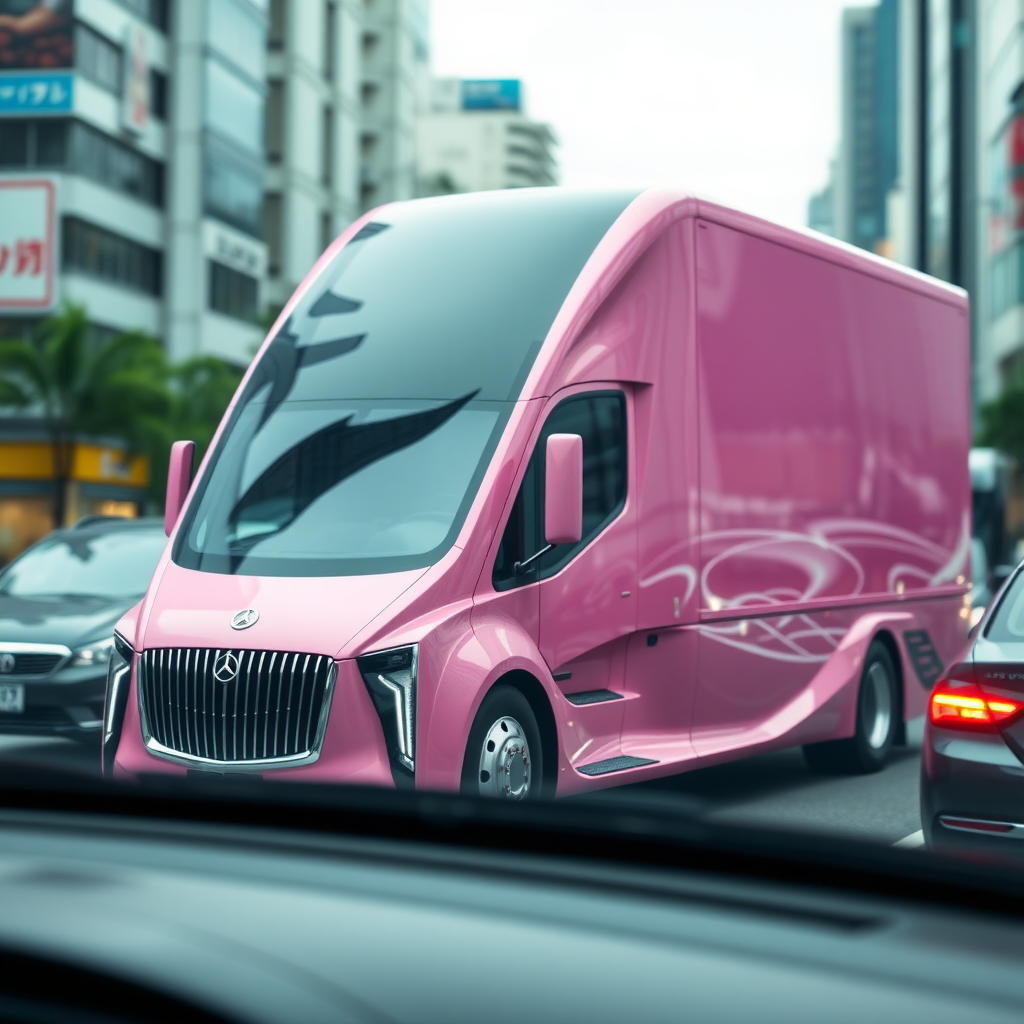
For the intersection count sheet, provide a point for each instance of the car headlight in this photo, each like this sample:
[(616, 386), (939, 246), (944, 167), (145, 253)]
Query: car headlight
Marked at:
[(390, 676), (94, 655), (119, 674)]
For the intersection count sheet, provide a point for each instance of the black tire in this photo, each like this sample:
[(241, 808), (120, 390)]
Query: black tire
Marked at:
[(515, 755), (879, 712)]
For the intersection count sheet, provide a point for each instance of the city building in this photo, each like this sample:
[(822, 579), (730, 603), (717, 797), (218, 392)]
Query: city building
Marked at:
[(999, 303), (312, 135), (394, 76), (821, 207), (476, 136), (177, 168), (868, 160)]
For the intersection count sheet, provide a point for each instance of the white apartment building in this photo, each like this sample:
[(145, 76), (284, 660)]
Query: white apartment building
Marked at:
[(312, 134), (394, 73), (178, 165), (999, 300), (476, 136)]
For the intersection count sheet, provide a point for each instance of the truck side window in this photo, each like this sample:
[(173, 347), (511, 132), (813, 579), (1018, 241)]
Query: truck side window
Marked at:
[(600, 419)]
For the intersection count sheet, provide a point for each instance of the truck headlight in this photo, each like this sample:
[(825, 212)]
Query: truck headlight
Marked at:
[(390, 676), (119, 674)]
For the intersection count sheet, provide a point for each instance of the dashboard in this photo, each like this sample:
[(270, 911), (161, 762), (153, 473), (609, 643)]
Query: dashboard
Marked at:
[(116, 916)]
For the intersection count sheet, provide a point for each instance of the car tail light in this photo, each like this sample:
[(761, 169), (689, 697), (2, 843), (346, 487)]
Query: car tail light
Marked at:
[(963, 704)]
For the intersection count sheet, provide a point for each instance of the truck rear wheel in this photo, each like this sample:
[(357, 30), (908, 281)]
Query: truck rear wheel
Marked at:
[(504, 759), (878, 710)]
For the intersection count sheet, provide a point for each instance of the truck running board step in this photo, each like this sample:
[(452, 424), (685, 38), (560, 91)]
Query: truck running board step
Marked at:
[(614, 764), (592, 696)]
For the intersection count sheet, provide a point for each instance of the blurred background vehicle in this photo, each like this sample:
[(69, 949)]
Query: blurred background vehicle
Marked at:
[(972, 767), (58, 605)]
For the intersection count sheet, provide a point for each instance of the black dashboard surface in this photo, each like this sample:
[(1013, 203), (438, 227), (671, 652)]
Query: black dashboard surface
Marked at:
[(251, 922)]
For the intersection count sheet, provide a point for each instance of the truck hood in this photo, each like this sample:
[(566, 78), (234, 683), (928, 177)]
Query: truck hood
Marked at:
[(311, 615)]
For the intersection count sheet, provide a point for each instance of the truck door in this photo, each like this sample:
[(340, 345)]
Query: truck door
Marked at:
[(587, 590)]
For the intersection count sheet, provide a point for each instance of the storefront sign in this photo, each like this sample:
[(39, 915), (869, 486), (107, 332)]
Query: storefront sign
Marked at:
[(29, 93), (27, 244)]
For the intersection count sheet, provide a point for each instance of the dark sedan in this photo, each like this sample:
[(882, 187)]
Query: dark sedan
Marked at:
[(972, 768), (59, 602)]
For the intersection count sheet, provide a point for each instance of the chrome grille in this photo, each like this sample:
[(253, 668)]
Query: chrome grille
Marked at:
[(273, 709)]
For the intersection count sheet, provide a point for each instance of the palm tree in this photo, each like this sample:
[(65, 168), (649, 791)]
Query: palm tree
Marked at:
[(200, 390), (117, 388)]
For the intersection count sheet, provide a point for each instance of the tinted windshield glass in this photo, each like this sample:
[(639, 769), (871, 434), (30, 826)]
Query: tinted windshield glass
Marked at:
[(439, 300), (114, 564), (335, 488)]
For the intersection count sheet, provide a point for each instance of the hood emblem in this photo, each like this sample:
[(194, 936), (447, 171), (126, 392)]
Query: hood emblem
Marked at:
[(225, 668), (244, 619)]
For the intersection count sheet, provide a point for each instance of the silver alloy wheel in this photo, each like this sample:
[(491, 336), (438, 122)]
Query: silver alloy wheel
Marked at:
[(878, 706), (505, 768)]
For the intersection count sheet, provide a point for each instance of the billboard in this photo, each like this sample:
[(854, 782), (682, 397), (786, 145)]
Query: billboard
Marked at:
[(491, 94), (36, 45), (36, 35), (135, 88), (27, 243)]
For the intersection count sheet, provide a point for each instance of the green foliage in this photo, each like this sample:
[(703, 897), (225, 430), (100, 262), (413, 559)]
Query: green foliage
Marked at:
[(114, 389), (122, 387), (200, 390), (1002, 420)]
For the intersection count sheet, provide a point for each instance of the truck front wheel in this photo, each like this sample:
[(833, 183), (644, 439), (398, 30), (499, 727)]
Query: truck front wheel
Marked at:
[(503, 755), (878, 709)]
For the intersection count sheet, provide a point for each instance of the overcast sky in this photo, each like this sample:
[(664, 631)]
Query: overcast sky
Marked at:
[(735, 99)]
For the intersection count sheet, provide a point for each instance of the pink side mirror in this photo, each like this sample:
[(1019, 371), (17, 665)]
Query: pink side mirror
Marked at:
[(179, 479), (563, 489)]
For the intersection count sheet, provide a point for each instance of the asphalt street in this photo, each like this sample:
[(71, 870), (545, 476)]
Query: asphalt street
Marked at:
[(774, 790)]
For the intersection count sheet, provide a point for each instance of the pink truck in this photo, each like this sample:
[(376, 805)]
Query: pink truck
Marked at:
[(540, 492)]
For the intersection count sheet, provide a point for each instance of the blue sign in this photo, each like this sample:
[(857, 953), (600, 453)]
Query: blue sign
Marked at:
[(36, 92), (490, 94)]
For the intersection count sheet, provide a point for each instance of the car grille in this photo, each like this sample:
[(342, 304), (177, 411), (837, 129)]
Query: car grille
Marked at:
[(33, 664), (273, 707)]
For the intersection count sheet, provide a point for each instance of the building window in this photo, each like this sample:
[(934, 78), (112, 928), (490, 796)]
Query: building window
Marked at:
[(153, 11), (232, 188), (330, 29), (233, 293), (233, 108), (98, 59), (275, 35), (33, 144), (272, 231), (327, 155), (237, 32), (92, 250), (275, 121), (14, 144), (120, 167), (158, 94), (326, 230)]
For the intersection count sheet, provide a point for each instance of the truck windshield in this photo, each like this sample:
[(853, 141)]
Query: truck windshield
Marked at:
[(362, 433)]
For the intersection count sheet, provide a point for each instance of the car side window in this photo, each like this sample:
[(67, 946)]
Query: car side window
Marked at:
[(600, 419)]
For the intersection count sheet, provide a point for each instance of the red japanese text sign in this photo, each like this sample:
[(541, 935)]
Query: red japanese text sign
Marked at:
[(26, 243)]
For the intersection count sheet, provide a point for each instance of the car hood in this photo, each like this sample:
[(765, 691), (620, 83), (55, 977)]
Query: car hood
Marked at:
[(312, 615), (58, 619)]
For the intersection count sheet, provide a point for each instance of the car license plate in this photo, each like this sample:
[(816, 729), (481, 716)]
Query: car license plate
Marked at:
[(12, 698)]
